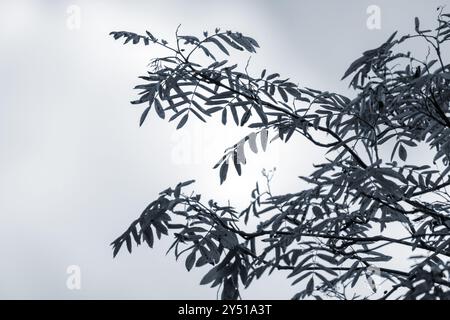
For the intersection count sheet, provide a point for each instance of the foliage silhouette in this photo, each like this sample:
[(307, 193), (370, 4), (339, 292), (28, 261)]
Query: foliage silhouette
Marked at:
[(331, 238)]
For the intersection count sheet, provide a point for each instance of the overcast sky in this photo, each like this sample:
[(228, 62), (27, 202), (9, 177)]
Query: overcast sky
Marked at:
[(76, 169)]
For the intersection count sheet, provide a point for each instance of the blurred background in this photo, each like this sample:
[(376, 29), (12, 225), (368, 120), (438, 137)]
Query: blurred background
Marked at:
[(76, 169)]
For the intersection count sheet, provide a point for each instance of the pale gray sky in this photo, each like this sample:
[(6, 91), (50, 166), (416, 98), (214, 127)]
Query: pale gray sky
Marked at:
[(76, 168)]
